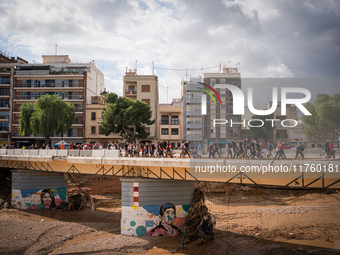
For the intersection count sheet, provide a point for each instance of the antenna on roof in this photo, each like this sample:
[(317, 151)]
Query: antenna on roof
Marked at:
[(56, 49)]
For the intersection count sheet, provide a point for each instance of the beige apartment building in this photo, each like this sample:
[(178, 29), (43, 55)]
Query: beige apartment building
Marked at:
[(75, 83), (94, 111), (145, 89), (171, 122)]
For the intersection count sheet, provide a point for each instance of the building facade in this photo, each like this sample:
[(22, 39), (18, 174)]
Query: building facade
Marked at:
[(200, 128), (170, 122), (94, 111), (74, 82), (7, 70), (143, 88)]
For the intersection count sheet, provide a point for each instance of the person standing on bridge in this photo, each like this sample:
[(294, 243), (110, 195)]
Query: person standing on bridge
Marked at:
[(331, 150), (299, 149), (270, 148)]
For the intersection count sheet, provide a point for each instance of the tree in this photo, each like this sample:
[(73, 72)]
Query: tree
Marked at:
[(324, 123), (126, 117), (266, 130), (49, 115)]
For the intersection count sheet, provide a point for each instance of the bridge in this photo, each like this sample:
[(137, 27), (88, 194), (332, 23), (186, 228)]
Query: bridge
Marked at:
[(300, 174), (148, 184)]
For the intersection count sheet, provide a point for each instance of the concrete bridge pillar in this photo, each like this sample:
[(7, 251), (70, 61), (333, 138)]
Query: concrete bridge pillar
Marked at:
[(5, 186), (153, 207), (38, 190)]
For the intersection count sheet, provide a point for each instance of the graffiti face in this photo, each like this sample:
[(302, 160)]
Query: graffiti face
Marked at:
[(46, 200), (169, 216)]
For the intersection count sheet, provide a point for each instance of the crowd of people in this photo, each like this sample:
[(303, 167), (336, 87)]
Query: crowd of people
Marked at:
[(236, 149)]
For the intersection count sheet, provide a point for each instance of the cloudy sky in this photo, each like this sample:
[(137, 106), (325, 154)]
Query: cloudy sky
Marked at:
[(264, 38)]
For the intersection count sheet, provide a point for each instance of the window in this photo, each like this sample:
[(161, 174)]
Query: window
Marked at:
[(223, 106), (165, 119), (174, 120), (212, 82), (222, 81), (145, 88), (233, 131), (75, 132), (147, 101), (93, 115), (93, 129), (174, 131), (147, 129), (164, 131)]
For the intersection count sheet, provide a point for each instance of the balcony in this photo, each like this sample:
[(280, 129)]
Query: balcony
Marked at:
[(29, 97), (177, 122), (5, 94), (4, 106), (193, 100), (169, 137), (194, 124), (194, 113), (4, 129), (131, 92), (46, 86), (4, 117)]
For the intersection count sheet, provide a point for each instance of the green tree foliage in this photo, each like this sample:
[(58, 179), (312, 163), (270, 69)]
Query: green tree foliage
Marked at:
[(126, 117), (49, 115), (324, 123), (266, 130)]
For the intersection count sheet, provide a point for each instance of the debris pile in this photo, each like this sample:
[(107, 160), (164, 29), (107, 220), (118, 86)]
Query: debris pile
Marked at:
[(199, 223)]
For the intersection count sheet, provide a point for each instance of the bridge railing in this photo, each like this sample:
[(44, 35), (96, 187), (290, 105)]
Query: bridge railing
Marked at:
[(60, 153)]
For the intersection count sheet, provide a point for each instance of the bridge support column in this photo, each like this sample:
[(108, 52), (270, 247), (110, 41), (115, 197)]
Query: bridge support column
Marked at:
[(5, 186), (38, 190), (152, 207)]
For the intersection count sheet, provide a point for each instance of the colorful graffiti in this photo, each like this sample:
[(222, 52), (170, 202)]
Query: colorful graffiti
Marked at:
[(153, 220), (38, 199)]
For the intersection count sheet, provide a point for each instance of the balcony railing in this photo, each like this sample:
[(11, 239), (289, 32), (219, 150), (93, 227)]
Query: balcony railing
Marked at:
[(77, 109), (4, 129), (46, 85), (177, 122), (4, 105), (27, 97), (130, 91), (4, 117)]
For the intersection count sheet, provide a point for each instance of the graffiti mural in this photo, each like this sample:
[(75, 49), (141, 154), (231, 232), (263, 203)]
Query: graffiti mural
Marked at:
[(38, 199), (153, 220), (167, 216)]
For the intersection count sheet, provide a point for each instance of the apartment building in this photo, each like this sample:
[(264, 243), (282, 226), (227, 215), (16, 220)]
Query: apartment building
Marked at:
[(7, 67), (198, 127), (170, 118), (94, 111), (75, 83), (145, 89)]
